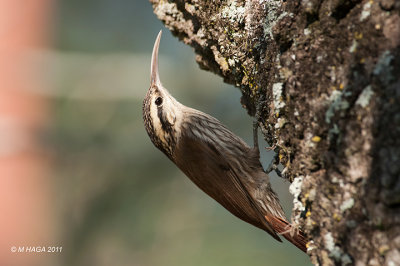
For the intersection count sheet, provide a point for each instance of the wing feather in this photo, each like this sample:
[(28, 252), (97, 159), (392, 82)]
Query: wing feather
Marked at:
[(207, 167)]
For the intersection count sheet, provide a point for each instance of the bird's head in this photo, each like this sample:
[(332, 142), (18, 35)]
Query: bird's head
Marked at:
[(162, 114)]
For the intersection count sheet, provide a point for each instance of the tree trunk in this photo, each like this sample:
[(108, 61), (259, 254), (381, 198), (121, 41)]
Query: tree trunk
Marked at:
[(325, 76)]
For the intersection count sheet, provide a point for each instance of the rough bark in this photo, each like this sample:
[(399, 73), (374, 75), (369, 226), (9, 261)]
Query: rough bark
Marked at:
[(327, 77)]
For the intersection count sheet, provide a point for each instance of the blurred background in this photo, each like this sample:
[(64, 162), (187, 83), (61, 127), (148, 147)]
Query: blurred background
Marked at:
[(78, 172)]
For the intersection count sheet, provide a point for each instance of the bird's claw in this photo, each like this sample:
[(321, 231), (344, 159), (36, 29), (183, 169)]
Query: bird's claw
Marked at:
[(273, 166), (292, 229)]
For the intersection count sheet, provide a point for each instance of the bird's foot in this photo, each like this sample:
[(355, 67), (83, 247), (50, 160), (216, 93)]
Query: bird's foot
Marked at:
[(272, 148), (291, 229), (273, 166)]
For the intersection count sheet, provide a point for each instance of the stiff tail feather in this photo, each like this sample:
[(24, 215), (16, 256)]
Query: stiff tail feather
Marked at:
[(284, 228)]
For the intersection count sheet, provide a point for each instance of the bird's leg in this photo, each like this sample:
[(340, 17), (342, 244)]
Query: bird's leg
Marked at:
[(272, 148), (260, 103), (255, 133), (273, 166)]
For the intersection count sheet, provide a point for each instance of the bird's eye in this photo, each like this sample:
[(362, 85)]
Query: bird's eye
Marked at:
[(158, 101)]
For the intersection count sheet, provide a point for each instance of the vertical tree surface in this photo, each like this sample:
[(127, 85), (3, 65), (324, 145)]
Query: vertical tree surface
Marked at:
[(326, 78)]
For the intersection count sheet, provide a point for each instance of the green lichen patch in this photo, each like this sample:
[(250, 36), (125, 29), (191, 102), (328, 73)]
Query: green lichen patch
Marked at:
[(365, 96)]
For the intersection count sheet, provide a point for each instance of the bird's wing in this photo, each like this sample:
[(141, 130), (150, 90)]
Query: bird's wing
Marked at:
[(204, 163)]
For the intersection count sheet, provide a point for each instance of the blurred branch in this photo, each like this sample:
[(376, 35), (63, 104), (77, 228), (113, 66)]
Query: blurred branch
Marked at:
[(25, 185)]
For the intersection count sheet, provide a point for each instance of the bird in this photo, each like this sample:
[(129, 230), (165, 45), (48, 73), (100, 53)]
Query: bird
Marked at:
[(219, 162)]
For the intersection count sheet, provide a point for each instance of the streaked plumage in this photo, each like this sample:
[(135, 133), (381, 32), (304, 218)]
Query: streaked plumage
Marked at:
[(215, 159)]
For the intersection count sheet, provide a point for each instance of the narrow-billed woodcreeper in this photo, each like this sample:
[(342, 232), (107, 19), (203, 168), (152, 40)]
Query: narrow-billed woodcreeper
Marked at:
[(215, 159)]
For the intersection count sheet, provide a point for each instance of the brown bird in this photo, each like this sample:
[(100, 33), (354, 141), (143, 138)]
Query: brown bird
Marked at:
[(215, 159)]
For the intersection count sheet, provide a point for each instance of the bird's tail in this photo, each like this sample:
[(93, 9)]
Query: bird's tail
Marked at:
[(284, 228)]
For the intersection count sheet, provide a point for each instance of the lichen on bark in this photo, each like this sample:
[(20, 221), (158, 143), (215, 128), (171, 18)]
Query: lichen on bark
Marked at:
[(327, 76)]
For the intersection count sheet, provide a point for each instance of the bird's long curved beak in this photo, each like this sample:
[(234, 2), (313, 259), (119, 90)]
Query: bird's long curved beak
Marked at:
[(154, 76)]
